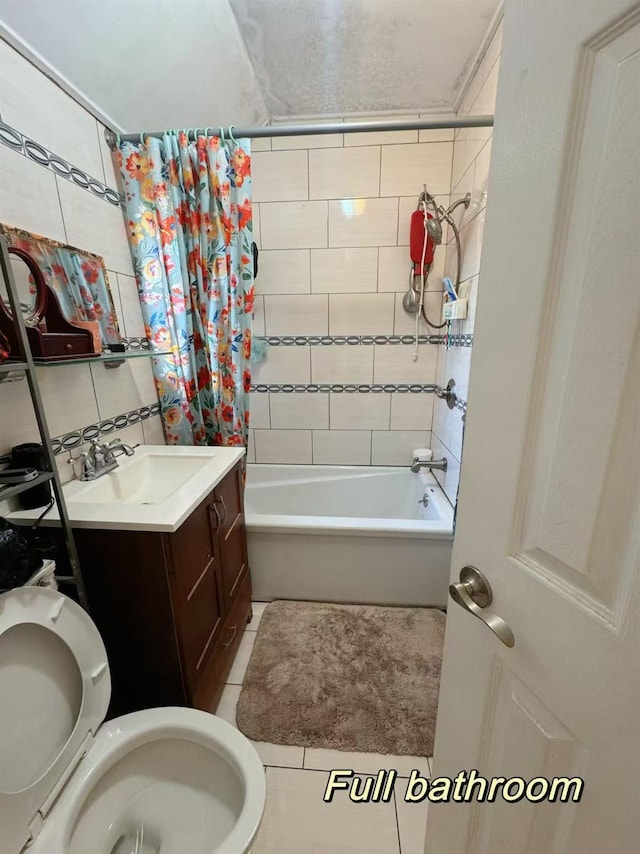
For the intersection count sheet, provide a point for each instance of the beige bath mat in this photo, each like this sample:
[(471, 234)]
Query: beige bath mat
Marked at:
[(346, 677)]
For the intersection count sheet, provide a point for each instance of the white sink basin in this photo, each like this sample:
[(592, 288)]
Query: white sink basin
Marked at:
[(147, 479), (154, 490)]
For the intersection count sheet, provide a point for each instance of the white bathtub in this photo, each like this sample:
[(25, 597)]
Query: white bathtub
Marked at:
[(347, 534)]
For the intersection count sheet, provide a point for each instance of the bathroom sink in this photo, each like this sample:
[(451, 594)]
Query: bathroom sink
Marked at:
[(153, 490), (147, 479)]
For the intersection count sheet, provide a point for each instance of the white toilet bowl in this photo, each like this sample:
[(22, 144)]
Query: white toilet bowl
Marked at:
[(70, 784)]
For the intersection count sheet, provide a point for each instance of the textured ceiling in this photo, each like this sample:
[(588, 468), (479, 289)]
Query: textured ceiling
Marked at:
[(153, 64), (338, 57)]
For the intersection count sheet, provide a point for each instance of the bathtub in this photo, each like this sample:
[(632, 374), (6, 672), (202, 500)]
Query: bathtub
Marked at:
[(347, 534)]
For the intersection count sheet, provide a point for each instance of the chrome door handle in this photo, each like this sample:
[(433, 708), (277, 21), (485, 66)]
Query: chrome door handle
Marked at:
[(473, 592)]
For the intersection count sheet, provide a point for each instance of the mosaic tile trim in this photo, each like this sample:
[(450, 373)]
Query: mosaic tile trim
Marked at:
[(344, 388), (31, 149), (135, 343), (457, 340), (355, 340), (352, 340), (103, 428)]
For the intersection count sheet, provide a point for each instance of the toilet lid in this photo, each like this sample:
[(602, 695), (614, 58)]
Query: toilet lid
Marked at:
[(55, 688)]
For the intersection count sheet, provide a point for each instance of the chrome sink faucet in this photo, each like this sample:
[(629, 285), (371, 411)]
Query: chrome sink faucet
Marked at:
[(101, 459), (418, 464)]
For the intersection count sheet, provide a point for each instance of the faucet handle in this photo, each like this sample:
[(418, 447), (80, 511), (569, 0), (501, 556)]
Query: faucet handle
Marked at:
[(87, 464)]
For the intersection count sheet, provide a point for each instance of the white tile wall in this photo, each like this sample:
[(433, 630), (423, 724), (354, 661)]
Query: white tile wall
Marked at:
[(284, 271), (259, 410), (363, 222), (342, 447), (261, 144), (39, 109), (395, 364), (93, 224), (360, 411), (281, 176), (404, 166), (344, 173), (33, 198), (278, 446), (360, 314), (68, 397), (293, 225), (470, 173), (152, 431), (133, 324), (344, 270), (411, 411), (118, 391), (342, 364), (362, 190), (29, 197), (304, 410), (297, 315), (284, 365)]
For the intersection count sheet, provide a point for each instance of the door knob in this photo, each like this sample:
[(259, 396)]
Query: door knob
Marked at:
[(473, 592)]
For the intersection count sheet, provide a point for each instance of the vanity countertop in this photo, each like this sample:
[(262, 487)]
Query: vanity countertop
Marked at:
[(156, 489)]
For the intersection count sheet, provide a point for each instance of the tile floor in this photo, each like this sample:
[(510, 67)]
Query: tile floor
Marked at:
[(296, 819)]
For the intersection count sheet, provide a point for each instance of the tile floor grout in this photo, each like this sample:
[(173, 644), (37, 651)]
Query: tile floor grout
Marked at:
[(303, 766)]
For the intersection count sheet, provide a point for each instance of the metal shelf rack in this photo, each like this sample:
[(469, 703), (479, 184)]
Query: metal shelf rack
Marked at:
[(27, 365)]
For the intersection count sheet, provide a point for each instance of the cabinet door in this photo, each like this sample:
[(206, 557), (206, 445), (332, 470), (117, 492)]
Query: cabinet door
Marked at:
[(197, 597), (232, 541)]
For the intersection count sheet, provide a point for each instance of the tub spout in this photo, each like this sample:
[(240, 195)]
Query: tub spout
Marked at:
[(417, 464)]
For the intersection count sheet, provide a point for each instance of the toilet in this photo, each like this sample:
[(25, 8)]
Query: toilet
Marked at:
[(174, 779)]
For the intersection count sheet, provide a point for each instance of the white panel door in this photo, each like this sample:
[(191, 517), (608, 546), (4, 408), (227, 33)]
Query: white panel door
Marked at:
[(550, 494)]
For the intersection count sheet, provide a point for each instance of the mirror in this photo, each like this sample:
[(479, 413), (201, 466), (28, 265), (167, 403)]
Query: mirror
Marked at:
[(78, 279), (30, 286)]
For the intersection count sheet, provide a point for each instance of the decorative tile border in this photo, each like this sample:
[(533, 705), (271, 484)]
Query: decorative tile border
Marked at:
[(457, 340), (78, 437), (31, 149), (344, 388), (135, 343), (351, 340), (367, 340)]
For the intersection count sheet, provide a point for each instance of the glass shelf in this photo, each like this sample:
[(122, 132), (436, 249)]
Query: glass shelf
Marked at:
[(94, 360), (16, 488), (8, 367)]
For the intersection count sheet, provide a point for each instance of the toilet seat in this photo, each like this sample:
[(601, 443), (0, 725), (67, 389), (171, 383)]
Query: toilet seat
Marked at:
[(55, 750), (55, 687)]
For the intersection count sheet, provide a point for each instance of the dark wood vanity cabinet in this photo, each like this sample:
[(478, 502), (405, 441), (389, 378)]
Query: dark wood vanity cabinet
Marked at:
[(171, 607)]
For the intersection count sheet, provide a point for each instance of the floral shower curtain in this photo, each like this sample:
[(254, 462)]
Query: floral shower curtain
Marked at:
[(188, 211)]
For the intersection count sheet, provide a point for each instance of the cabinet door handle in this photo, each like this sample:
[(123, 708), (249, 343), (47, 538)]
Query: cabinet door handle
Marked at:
[(214, 510), (224, 510), (230, 641)]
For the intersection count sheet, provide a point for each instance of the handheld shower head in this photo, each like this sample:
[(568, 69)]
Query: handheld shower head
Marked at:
[(434, 229), (433, 223)]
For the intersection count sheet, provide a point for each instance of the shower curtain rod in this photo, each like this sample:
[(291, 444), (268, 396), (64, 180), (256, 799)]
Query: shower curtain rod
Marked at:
[(435, 123)]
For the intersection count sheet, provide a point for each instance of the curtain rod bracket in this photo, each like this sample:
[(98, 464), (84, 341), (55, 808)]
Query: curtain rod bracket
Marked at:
[(111, 138)]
